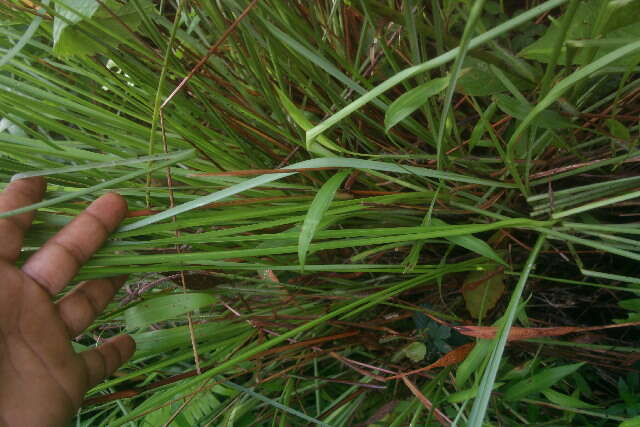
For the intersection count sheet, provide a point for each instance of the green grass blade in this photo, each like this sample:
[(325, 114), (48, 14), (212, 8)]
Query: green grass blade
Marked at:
[(481, 403), (184, 155), (539, 382), (472, 243), (469, 28), (96, 165), (318, 207), (554, 94), (315, 163), (410, 101), (26, 37), (165, 307), (313, 133), (276, 404)]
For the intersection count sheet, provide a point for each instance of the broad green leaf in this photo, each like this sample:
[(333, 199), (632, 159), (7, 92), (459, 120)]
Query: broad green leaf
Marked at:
[(480, 295), (165, 307), (479, 81), (410, 101), (162, 340), (520, 371), (71, 36), (546, 119), (69, 12), (318, 207), (565, 400), (416, 351), (618, 130), (539, 382), (468, 394), (622, 23), (472, 243), (630, 304), (631, 422)]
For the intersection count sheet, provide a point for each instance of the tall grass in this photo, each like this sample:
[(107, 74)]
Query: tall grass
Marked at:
[(331, 181)]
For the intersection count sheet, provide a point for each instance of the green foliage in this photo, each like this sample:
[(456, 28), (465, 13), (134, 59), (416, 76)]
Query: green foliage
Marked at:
[(539, 382), (481, 293), (78, 22), (395, 150), (547, 119), (415, 351), (413, 100), (608, 24), (318, 207), (164, 307)]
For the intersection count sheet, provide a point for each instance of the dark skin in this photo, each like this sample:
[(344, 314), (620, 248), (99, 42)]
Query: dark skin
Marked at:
[(42, 379)]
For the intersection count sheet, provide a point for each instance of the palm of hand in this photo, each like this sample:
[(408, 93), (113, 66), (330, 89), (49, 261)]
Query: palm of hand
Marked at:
[(42, 379)]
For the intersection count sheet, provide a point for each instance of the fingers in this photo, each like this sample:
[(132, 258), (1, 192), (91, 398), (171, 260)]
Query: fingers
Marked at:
[(19, 193), (79, 308), (58, 260), (109, 356)]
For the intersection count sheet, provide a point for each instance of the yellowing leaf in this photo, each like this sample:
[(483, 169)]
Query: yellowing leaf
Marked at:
[(414, 351), (482, 291)]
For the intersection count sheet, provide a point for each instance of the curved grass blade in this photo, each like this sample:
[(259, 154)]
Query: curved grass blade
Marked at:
[(410, 101), (315, 163), (558, 90), (318, 207), (472, 243), (481, 403), (305, 124), (438, 61), (31, 30), (474, 15)]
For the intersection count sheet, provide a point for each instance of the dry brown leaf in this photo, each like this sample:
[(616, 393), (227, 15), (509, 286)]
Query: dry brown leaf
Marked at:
[(517, 333)]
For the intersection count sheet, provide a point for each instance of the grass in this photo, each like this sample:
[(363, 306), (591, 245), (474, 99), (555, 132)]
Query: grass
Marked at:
[(321, 193)]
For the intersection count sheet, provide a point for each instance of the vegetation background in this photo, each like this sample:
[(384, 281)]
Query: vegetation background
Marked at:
[(356, 212)]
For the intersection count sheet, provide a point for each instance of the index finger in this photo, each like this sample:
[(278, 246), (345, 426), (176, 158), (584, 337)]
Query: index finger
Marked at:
[(23, 192), (59, 259)]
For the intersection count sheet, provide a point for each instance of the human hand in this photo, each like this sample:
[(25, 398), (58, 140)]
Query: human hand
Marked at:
[(42, 379)]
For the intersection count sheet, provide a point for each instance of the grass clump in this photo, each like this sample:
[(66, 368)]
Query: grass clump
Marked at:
[(352, 212)]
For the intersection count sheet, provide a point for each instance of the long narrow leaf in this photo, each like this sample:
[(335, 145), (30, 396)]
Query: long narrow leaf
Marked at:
[(429, 65), (317, 209), (184, 155), (481, 402), (315, 163), (410, 101)]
